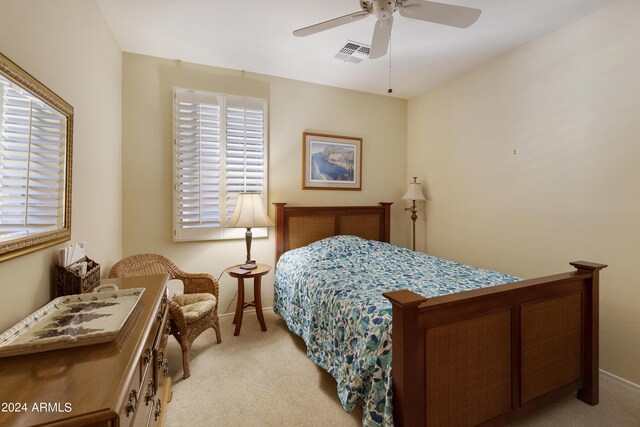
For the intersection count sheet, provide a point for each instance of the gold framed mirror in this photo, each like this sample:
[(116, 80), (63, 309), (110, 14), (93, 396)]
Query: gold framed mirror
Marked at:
[(36, 148)]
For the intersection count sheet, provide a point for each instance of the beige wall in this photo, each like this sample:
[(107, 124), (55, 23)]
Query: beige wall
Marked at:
[(531, 161), (294, 106), (68, 47)]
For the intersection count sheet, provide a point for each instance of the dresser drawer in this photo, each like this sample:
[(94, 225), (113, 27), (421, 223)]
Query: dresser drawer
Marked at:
[(160, 362), (148, 396), (153, 339)]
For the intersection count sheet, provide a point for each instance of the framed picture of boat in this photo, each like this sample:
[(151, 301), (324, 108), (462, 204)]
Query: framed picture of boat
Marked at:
[(331, 162)]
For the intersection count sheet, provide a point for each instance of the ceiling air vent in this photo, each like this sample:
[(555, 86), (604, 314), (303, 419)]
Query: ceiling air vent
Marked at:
[(353, 52)]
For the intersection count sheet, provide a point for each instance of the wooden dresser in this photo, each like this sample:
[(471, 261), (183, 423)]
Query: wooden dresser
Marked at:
[(124, 382)]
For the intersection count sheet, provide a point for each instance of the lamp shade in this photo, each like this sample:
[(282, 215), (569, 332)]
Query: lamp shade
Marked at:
[(249, 212), (414, 192)]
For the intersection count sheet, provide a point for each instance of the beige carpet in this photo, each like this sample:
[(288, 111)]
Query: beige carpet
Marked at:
[(265, 379)]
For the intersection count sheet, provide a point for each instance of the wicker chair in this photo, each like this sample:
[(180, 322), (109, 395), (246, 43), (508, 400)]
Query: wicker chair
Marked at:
[(187, 322)]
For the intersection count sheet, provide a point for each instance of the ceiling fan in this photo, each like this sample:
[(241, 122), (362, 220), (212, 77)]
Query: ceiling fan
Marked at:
[(439, 13)]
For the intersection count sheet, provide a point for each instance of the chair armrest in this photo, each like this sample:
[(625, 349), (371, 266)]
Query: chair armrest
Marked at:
[(177, 316), (197, 283)]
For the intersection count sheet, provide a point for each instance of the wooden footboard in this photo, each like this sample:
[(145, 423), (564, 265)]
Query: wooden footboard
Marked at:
[(488, 356)]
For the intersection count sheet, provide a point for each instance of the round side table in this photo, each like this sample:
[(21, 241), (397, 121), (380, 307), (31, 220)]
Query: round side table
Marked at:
[(256, 274)]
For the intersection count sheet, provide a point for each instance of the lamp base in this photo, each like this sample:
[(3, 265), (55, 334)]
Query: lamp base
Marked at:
[(249, 266)]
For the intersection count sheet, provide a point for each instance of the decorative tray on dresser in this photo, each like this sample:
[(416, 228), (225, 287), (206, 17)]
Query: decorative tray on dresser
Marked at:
[(71, 321), (122, 382)]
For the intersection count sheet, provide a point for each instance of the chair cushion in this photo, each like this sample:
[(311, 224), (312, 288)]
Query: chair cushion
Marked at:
[(195, 306)]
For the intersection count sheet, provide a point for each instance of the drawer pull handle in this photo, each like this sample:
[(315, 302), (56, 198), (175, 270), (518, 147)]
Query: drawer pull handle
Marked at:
[(158, 411), (146, 357), (150, 393), (161, 358), (133, 402)]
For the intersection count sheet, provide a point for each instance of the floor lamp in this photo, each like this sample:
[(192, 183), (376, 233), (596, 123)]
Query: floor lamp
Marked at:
[(414, 193)]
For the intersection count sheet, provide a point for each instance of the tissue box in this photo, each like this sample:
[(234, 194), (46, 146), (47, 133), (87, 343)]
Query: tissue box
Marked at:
[(69, 282)]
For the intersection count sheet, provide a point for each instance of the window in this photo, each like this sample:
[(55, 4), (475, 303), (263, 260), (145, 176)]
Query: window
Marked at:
[(220, 150), (33, 138)]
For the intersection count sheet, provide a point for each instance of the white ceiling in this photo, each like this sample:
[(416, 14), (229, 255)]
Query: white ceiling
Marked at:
[(255, 35)]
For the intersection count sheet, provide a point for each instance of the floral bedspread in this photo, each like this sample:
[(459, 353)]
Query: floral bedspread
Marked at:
[(330, 294)]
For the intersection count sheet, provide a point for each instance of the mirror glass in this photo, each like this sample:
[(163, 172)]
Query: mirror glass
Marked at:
[(36, 130)]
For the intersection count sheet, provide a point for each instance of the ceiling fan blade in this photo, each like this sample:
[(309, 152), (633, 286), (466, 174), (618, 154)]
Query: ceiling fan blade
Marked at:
[(332, 23), (440, 13), (381, 37)]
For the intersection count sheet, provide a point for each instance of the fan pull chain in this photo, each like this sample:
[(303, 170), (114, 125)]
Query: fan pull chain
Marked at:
[(390, 90)]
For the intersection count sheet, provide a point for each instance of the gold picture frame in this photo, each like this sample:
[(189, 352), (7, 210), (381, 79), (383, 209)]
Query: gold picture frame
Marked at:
[(25, 242)]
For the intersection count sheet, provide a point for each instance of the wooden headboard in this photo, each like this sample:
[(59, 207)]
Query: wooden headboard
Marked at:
[(299, 226)]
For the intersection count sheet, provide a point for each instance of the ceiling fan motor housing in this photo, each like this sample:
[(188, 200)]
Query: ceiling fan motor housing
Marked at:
[(383, 9)]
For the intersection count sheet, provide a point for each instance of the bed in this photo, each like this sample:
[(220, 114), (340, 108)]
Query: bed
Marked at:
[(470, 346)]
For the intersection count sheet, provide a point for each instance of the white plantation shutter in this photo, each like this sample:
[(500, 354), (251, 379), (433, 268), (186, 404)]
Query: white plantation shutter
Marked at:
[(197, 162), (32, 164), (245, 149), (220, 151)]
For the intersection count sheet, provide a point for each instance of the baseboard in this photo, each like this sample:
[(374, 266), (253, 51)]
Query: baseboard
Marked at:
[(252, 310), (621, 381)]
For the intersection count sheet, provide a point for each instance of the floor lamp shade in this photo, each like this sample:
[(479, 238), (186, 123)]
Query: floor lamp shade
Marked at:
[(249, 213), (414, 192)]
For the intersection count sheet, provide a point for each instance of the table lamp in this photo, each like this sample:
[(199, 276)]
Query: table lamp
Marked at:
[(414, 193), (249, 214)]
